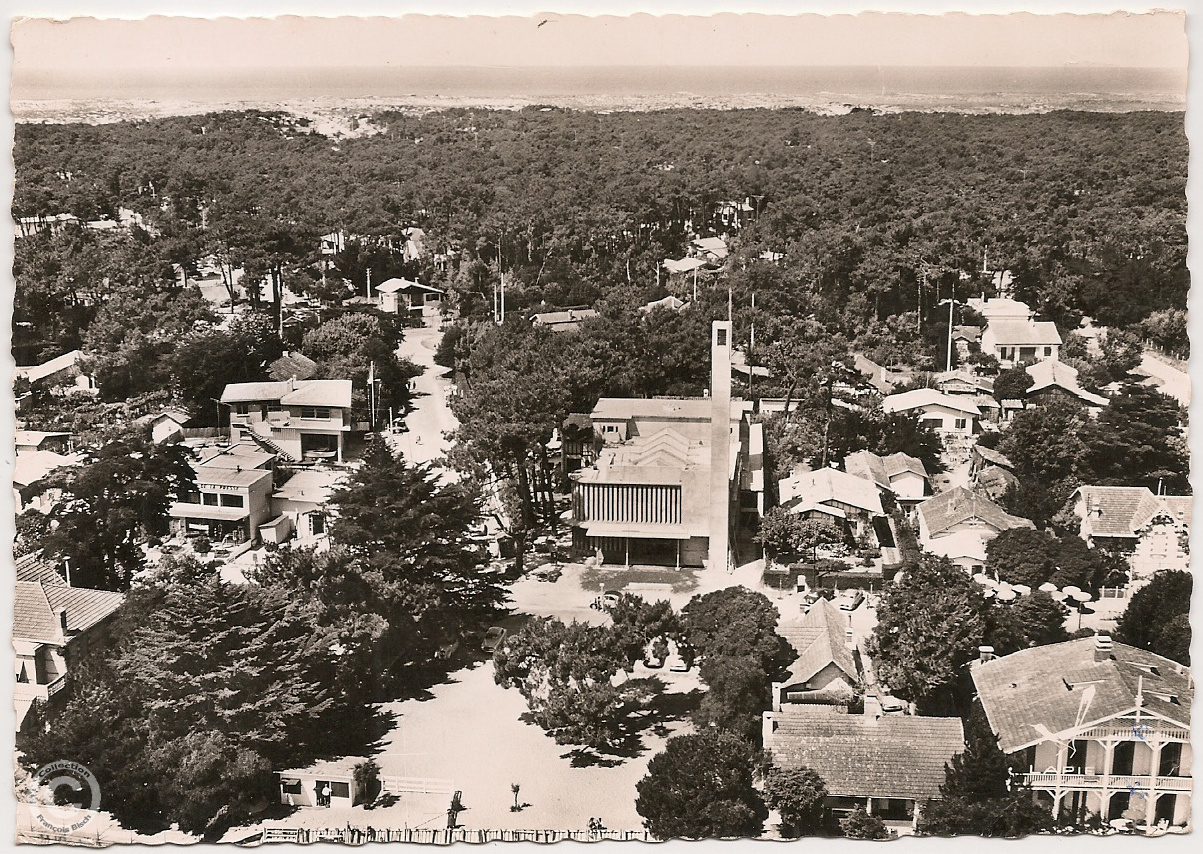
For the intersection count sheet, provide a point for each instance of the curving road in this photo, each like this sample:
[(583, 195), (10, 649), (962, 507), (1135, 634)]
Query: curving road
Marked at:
[(1171, 381)]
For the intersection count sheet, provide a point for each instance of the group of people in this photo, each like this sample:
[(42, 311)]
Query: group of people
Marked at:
[(596, 826)]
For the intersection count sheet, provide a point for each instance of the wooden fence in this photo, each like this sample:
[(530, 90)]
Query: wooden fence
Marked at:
[(442, 836)]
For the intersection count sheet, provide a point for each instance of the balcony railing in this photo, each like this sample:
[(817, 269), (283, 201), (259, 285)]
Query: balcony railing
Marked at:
[(33, 691), (1115, 782), (1142, 732)]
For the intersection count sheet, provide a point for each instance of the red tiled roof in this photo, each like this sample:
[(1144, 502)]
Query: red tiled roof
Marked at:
[(1061, 686), (895, 756)]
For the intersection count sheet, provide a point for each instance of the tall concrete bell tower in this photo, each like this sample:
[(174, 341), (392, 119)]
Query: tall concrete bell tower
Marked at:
[(720, 444)]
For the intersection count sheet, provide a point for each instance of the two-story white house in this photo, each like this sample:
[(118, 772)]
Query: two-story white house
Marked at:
[(295, 419), (228, 502), (901, 475), (1101, 727)]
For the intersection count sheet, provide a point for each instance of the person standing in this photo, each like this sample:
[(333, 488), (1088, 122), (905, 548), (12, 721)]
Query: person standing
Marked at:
[(326, 793)]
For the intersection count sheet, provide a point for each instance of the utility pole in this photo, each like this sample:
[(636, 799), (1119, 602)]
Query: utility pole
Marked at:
[(368, 286), (752, 351)]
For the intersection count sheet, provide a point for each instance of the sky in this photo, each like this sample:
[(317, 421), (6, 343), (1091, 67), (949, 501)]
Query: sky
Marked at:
[(1020, 39)]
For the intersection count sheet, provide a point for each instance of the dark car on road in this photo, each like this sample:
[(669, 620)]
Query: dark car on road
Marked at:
[(493, 638)]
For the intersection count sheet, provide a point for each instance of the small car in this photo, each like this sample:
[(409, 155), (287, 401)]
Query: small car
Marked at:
[(610, 598), (493, 638), (851, 600)]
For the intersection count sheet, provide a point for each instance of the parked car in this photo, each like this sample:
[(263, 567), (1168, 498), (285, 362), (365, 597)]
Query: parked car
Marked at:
[(398, 426), (851, 600), (493, 638), (547, 572), (892, 705)]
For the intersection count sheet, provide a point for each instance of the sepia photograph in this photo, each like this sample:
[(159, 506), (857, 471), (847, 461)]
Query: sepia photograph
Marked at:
[(474, 428)]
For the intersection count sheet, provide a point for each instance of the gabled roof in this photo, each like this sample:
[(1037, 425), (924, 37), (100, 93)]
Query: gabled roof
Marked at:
[(32, 466), (392, 286), (179, 416), (1014, 332), (715, 246), (222, 475), (35, 604), (1052, 373), (669, 302), (894, 756), (959, 505), (899, 463), (559, 318), (869, 466), (1122, 511), (34, 438), (993, 457), (292, 366), (818, 638), (37, 568), (827, 485), (921, 398), (244, 455), (979, 384), (332, 393), (973, 334), (1000, 307), (683, 265), (34, 373), (1061, 686)]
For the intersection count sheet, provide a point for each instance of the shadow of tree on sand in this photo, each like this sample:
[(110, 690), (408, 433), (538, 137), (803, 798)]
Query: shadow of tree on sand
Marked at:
[(649, 710)]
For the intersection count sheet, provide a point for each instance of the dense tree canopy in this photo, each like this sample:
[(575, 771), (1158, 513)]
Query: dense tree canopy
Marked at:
[(119, 495), (929, 625), (736, 622), (209, 689), (979, 795), (798, 795), (1158, 616), (700, 787), (406, 527), (1087, 209)]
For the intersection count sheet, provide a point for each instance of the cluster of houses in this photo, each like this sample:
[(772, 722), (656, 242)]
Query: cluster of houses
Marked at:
[(270, 481), (1094, 728)]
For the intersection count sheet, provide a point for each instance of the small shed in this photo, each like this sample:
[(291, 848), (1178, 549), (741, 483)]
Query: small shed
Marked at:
[(303, 787)]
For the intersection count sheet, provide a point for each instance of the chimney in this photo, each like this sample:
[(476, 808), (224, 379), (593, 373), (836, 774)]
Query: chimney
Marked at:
[(849, 638), (61, 613), (1102, 647), (984, 654), (720, 444), (768, 726), (776, 689)]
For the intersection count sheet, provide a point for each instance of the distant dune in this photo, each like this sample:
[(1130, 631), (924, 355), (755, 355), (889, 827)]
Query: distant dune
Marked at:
[(45, 96)]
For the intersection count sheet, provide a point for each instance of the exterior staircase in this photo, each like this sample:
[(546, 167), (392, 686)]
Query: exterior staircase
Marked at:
[(269, 445)]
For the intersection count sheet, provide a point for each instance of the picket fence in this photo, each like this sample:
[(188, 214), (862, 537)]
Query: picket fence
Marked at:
[(442, 836)]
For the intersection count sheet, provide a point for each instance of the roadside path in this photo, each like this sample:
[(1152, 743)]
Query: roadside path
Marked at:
[(1173, 382)]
